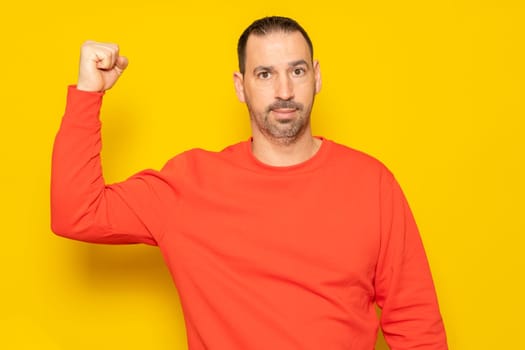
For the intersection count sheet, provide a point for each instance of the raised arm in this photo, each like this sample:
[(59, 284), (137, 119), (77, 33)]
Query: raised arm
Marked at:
[(83, 207)]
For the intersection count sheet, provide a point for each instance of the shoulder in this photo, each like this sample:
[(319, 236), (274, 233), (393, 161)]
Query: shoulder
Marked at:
[(347, 157), (200, 158), (360, 168)]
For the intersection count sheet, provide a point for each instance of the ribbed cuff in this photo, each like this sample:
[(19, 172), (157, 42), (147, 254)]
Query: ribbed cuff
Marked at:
[(83, 107)]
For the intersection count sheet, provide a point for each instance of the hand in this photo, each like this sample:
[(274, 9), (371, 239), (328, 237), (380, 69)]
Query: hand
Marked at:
[(100, 66)]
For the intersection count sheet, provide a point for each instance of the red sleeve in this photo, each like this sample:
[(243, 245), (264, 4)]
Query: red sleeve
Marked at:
[(410, 317), (83, 207)]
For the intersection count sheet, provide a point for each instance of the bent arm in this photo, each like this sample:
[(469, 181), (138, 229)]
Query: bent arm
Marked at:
[(83, 207), (405, 291)]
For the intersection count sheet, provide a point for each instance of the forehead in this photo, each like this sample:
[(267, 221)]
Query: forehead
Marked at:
[(276, 48)]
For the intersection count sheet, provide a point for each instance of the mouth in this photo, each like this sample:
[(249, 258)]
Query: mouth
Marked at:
[(284, 110), (283, 113)]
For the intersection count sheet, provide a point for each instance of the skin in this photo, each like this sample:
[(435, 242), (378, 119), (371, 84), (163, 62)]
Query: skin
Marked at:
[(100, 66), (278, 87)]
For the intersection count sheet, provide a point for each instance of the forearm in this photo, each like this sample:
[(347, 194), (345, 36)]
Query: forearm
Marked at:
[(77, 185), (410, 317)]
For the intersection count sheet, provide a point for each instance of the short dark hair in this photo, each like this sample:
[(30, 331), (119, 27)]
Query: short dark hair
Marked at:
[(267, 25)]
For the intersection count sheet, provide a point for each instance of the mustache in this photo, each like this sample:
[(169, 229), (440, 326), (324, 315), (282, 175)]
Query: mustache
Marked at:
[(285, 104)]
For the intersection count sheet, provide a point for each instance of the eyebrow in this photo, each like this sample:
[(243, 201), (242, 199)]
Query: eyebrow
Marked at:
[(290, 64), (297, 63)]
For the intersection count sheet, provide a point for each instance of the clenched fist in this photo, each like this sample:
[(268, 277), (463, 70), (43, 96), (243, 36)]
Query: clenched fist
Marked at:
[(100, 66)]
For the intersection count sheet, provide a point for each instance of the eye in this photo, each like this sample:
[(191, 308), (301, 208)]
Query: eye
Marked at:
[(298, 72), (263, 75)]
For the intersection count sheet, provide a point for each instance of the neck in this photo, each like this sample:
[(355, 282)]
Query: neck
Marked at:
[(285, 153)]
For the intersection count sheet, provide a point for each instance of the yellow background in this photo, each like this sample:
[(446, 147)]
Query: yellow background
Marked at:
[(435, 89)]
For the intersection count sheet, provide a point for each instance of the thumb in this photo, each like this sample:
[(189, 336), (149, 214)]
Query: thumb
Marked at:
[(121, 64)]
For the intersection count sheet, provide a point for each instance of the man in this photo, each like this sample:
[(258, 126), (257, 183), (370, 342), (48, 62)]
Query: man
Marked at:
[(284, 241)]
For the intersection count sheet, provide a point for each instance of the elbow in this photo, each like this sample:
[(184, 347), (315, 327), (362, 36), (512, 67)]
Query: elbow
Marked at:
[(69, 224), (63, 227), (75, 219), (60, 228)]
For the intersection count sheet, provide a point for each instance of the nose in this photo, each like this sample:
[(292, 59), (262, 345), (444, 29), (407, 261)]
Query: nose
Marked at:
[(284, 88)]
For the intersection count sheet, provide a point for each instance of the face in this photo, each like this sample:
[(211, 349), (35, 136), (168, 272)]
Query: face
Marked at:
[(279, 85)]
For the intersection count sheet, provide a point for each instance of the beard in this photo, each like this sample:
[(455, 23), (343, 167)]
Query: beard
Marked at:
[(285, 131)]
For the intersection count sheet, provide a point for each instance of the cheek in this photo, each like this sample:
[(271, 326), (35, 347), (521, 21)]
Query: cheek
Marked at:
[(305, 93), (259, 96)]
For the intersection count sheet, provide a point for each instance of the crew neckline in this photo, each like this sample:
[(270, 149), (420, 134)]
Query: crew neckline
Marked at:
[(310, 164)]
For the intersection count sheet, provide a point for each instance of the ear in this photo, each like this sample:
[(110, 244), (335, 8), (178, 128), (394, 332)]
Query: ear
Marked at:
[(238, 81), (317, 74)]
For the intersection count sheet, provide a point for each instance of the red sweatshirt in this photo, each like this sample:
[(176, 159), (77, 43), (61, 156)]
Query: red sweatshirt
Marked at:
[(263, 257)]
